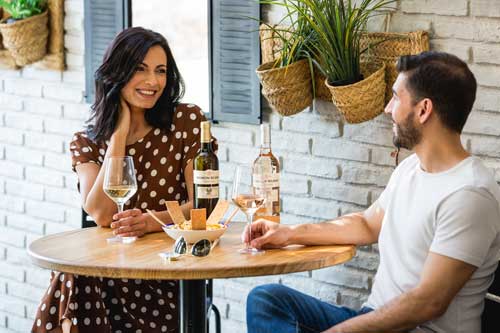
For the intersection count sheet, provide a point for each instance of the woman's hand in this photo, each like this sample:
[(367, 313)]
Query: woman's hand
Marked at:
[(131, 222), (267, 234), (123, 125)]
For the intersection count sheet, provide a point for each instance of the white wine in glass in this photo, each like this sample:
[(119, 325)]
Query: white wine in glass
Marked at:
[(120, 185), (248, 200)]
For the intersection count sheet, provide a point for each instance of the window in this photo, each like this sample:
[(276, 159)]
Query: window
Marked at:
[(219, 69)]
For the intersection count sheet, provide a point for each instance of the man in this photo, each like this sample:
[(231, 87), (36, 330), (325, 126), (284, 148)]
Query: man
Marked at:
[(437, 223)]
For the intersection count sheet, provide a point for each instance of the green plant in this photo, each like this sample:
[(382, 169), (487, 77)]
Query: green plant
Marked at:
[(337, 26), (21, 9), (293, 31)]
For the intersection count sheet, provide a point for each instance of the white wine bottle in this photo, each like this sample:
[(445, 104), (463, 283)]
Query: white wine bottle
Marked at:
[(206, 173), (266, 177)]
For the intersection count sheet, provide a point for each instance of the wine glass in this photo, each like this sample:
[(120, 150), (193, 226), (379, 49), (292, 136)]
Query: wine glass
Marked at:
[(120, 185), (245, 196)]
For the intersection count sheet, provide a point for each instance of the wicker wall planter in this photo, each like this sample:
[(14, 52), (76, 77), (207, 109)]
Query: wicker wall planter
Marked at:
[(387, 47), (287, 89), (363, 100), (26, 39), (54, 57)]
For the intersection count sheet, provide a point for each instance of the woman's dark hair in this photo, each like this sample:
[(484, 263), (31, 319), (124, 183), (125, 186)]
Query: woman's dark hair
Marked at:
[(125, 53), (446, 80)]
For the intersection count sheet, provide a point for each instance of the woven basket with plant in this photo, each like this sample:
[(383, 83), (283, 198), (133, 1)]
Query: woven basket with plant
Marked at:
[(25, 32), (286, 78), (387, 47)]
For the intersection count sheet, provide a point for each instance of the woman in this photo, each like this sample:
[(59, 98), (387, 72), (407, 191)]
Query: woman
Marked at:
[(136, 113)]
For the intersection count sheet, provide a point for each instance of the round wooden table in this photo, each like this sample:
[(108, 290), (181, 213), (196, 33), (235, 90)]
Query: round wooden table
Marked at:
[(86, 252)]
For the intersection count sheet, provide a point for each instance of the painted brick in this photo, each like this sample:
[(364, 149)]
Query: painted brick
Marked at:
[(11, 271), (332, 190), (353, 299), (487, 8), (34, 73), (452, 27), (459, 48), (405, 23), (293, 184), (24, 222), (234, 135), (74, 23), (17, 255), (342, 276), (242, 154), (325, 209), (368, 133), (9, 73), (75, 77), (20, 154), (75, 44), (343, 149), (12, 305), (63, 92), (311, 124), (23, 87), (43, 107), (63, 196), (63, 126), (25, 121), (273, 118), (73, 7), (367, 175), (25, 291), (488, 146), (487, 75), (13, 237), (10, 169), (11, 102), (74, 216), (459, 7), (75, 60), (382, 156), (24, 189), (45, 210), (44, 176), (61, 162), (53, 228), (364, 260), (293, 142), (487, 99), (38, 277), (486, 30), (483, 123), (314, 166), (50, 142), (487, 53), (11, 136), (76, 111)]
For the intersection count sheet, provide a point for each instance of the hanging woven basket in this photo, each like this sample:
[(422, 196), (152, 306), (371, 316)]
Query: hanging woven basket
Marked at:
[(287, 89), (26, 39), (363, 100), (387, 47), (322, 92)]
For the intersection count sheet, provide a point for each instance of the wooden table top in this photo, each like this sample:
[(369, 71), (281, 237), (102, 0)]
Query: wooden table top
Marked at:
[(86, 252)]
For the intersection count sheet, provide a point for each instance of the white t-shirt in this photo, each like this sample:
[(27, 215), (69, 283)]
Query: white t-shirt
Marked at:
[(455, 213)]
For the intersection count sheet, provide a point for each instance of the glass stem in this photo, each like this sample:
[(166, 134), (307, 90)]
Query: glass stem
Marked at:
[(250, 221), (120, 207)]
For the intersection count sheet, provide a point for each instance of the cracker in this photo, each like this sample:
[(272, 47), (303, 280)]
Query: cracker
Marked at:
[(199, 219), (175, 212), (218, 212)]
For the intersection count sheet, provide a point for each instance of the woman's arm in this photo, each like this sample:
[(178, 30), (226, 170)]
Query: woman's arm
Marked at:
[(95, 202)]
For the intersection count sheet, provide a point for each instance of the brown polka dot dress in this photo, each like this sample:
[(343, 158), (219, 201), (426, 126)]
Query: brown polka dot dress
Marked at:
[(102, 305)]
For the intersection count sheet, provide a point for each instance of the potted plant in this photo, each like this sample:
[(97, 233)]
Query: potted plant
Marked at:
[(25, 32), (357, 88), (286, 81)]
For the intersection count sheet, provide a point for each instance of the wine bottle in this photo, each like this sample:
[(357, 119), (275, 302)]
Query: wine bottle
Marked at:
[(266, 177), (206, 173)]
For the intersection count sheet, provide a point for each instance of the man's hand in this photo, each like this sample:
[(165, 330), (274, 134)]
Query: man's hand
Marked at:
[(266, 234), (131, 222)]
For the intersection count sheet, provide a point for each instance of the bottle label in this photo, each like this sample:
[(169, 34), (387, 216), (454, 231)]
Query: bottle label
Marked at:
[(206, 177), (207, 192), (267, 182)]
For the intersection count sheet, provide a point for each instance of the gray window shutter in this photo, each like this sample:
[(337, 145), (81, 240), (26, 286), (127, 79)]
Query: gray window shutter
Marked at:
[(103, 20), (235, 56)]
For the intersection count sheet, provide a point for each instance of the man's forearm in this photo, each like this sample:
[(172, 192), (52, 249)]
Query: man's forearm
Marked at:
[(400, 315), (348, 229)]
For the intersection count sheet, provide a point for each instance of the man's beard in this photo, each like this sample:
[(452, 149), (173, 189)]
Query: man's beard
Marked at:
[(407, 134)]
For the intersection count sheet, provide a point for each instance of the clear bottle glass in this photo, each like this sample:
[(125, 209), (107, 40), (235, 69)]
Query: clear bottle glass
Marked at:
[(206, 173), (266, 177)]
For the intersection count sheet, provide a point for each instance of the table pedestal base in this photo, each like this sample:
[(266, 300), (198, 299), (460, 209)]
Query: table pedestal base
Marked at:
[(193, 306)]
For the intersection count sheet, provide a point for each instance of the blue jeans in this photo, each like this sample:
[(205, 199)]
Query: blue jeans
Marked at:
[(274, 308)]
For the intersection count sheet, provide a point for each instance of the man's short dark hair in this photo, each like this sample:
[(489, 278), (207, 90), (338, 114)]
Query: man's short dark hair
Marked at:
[(446, 80)]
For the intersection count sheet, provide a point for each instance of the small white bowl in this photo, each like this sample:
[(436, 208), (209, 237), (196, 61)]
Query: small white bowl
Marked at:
[(192, 236)]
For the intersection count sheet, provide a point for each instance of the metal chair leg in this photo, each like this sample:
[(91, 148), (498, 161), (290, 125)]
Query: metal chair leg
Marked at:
[(217, 319)]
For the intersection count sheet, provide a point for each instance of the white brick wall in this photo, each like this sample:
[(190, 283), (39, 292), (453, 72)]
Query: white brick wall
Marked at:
[(329, 168)]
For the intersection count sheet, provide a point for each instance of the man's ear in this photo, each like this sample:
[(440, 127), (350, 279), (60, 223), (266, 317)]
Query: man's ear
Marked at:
[(424, 110)]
